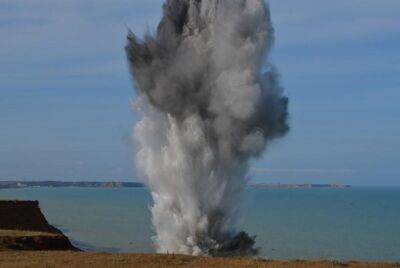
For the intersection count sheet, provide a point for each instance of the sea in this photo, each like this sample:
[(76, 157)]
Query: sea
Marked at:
[(357, 223)]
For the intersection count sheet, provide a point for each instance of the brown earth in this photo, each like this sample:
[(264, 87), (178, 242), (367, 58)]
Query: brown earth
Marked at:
[(24, 227), (27, 240), (80, 259)]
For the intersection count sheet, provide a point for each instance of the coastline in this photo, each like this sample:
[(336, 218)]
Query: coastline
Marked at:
[(289, 224), (123, 184), (28, 240)]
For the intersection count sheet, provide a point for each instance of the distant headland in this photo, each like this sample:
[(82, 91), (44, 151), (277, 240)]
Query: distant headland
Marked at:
[(119, 184), (301, 186)]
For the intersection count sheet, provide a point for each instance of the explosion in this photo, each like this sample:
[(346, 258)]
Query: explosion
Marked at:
[(209, 102)]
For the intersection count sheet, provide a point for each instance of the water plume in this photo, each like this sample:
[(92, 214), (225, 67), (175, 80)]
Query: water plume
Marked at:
[(209, 102)]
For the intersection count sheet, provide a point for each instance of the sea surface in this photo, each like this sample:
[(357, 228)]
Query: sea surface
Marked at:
[(358, 223)]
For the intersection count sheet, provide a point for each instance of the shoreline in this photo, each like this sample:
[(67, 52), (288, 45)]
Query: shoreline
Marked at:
[(27, 239)]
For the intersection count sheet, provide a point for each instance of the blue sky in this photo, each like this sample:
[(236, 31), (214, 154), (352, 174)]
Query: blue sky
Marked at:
[(65, 90)]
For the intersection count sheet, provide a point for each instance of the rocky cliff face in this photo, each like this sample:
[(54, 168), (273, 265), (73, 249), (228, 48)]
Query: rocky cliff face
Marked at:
[(24, 215), (24, 227)]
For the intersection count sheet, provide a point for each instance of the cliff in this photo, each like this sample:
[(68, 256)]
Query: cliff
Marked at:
[(24, 227)]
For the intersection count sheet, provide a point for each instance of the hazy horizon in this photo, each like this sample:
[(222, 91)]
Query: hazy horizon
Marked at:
[(135, 180)]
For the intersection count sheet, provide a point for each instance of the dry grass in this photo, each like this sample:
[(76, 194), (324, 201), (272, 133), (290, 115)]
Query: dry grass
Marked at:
[(18, 233), (76, 259)]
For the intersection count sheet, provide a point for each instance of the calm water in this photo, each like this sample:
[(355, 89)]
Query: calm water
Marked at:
[(356, 223)]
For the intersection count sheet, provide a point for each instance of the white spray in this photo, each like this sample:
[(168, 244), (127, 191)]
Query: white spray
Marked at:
[(206, 108)]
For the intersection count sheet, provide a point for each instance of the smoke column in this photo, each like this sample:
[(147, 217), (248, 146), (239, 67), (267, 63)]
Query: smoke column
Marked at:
[(209, 101)]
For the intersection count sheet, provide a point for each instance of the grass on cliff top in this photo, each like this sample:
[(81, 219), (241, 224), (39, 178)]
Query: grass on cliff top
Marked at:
[(74, 259), (19, 233)]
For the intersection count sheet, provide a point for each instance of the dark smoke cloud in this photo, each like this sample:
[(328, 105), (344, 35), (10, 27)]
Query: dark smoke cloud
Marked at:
[(206, 109)]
